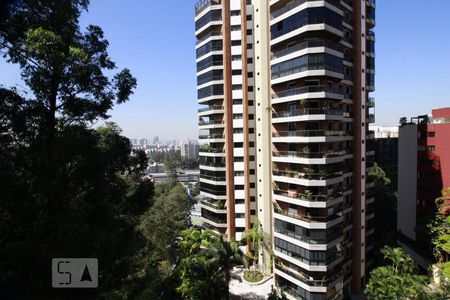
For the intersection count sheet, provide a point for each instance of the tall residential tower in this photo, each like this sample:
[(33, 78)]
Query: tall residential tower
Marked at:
[(284, 93)]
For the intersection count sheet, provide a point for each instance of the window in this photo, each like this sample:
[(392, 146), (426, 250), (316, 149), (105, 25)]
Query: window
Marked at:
[(235, 27), (249, 46), (249, 32), (250, 74), (236, 57), (236, 12), (431, 148), (237, 116), (238, 130), (236, 43), (431, 134), (249, 17), (238, 145), (251, 117), (236, 72), (237, 101), (236, 87), (251, 130), (250, 60), (250, 89)]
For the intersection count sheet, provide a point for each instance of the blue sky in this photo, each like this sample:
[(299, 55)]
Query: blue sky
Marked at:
[(155, 39)]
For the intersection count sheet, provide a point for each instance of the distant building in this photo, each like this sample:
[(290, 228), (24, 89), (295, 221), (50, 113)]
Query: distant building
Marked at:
[(156, 140), (423, 170), (134, 142), (143, 142), (189, 149), (386, 150), (156, 168)]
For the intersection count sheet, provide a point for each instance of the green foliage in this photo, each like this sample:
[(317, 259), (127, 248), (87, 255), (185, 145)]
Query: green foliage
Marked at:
[(396, 280), (440, 228), (385, 212), (170, 200), (253, 276), (205, 261), (275, 295)]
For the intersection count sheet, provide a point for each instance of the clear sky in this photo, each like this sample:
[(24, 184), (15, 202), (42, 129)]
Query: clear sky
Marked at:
[(155, 39)]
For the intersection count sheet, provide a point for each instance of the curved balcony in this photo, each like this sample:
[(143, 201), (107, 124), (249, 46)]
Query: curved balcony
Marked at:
[(308, 221), (208, 151), (306, 70), (307, 92), (307, 114), (306, 279), (308, 157), (305, 45), (307, 199), (217, 206), (212, 138), (211, 18), (210, 124), (307, 179), (309, 136), (211, 110), (293, 4), (201, 5), (302, 25)]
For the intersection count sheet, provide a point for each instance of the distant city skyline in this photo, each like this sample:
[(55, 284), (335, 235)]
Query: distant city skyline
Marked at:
[(163, 60)]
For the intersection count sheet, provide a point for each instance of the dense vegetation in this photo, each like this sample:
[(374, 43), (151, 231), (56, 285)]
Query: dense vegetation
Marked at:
[(69, 190)]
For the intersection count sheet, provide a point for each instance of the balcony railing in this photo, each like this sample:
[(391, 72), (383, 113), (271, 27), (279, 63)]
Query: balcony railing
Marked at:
[(307, 218), (216, 204), (203, 4), (294, 4), (308, 111), (307, 133), (214, 178), (209, 79), (371, 102), (209, 149), (300, 196), (212, 164), (307, 44), (212, 136), (213, 107), (208, 35), (307, 67), (210, 122), (305, 90), (308, 154), (308, 176), (303, 277)]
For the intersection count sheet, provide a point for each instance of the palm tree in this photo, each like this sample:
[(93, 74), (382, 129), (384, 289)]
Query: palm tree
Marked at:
[(205, 263), (257, 237)]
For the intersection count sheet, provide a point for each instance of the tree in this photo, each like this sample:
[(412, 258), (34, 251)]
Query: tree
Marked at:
[(205, 263), (171, 200), (68, 190), (396, 280), (385, 212), (258, 239), (440, 233), (403, 121)]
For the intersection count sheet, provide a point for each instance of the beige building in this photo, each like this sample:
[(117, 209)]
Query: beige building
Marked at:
[(284, 88)]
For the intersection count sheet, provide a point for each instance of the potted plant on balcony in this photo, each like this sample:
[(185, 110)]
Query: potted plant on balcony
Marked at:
[(309, 172), (322, 174), (308, 194)]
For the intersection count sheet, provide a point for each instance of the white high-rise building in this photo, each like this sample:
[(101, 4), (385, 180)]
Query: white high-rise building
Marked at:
[(284, 93)]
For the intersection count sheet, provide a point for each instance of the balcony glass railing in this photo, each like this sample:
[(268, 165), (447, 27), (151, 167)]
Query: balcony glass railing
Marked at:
[(302, 196), (216, 204), (308, 133), (294, 4), (201, 5), (308, 111), (295, 22), (210, 149), (308, 176), (208, 108), (207, 36), (312, 258), (211, 16), (210, 122), (212, 164), (309, 62), (305, 90), (305, 278), (214, 178), (211, 136), (306, 44), (307, 218), (308, 154)]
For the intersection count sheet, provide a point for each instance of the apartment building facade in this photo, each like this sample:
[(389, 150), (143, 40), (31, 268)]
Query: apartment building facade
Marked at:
[(423, 170), (284, 92)]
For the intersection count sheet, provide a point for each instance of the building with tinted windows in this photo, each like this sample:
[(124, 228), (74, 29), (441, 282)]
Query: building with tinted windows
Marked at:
[(284, 89)]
